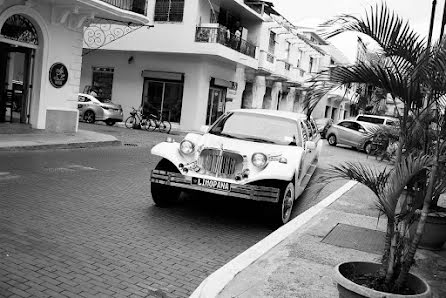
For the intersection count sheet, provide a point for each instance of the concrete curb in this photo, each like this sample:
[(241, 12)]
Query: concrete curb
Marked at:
[(218, 280), (74, 145)]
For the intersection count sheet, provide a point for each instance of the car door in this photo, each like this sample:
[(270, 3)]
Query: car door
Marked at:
[(344, 130), (306, 156), (314, 137), (358, 135)]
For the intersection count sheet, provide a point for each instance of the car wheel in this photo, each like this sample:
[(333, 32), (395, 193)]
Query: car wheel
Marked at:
[(164, 195), (89, 117), (332, 140), (110, 122), (285, 204), (368, 148)]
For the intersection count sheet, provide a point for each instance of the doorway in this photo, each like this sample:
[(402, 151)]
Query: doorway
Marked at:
[(216, 104), (15, 75)]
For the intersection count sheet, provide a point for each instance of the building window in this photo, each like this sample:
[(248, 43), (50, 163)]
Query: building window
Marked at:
[(272, 42), (311, 64), (287, 50), (102, 82), (163, 97), (169, 10)]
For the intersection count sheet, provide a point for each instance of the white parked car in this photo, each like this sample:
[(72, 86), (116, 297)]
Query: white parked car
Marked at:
[(253, 154), (92, 109)]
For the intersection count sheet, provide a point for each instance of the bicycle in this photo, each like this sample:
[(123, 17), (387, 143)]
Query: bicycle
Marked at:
[(158, 123), (137, 120)]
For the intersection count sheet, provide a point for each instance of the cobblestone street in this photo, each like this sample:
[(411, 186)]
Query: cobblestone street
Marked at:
[(81, 223)]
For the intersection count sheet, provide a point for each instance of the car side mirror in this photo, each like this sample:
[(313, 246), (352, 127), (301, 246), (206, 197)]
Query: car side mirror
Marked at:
[(362, 130), (310, 145)]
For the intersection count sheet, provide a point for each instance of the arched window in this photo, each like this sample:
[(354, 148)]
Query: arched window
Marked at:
[(19, 28)]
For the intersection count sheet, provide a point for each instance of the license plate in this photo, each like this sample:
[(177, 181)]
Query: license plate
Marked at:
[(213, 184)]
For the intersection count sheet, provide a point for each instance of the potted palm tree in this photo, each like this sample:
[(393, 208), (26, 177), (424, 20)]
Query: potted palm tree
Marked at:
[(414, 73)]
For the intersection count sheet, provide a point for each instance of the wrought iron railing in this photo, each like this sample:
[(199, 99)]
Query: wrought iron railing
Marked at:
[(222, 36), (138, 6)]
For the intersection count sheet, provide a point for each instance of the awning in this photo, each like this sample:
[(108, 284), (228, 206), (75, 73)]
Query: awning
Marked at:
[(221, 83), (164, 75)]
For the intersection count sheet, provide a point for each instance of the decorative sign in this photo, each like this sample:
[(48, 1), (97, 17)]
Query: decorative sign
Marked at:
[(232, 91), (58, 75)]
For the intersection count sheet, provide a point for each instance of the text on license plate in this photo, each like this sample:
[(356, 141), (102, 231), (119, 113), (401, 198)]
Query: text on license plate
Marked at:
[(212, 184)]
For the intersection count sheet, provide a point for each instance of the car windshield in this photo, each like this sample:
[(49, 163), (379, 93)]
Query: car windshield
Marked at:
[(257, 128)]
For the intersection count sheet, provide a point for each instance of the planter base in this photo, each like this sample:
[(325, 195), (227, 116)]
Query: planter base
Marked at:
[(349, 289), (434, 234)]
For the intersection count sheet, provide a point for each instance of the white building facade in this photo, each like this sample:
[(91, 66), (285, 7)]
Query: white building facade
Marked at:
[(41, 56), (202, 58)]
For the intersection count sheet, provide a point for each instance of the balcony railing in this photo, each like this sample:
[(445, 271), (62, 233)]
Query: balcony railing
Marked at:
[(224, 37), (138, 6)]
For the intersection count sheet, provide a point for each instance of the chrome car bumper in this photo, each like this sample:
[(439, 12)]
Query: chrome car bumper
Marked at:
[(247, 191)]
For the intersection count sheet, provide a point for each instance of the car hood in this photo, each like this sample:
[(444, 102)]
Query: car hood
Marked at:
[(241, 146)]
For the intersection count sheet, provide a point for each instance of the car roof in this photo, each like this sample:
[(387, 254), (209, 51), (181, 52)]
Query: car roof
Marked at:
[(377, 116), (365, 124), (275, 113)]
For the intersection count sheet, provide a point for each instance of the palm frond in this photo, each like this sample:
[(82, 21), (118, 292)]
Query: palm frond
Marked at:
[(392, 33)]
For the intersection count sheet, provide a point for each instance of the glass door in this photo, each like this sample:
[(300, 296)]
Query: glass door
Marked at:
[(216, 104), (15, 76)]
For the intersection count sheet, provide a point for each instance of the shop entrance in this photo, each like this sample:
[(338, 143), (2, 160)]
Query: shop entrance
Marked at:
[(15, 69), (18, 43), (216, 104)]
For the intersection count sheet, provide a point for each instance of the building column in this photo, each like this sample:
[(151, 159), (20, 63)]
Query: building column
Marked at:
[(277, 87), (240, 79), (258, 92), (289, 103), (195, 98)]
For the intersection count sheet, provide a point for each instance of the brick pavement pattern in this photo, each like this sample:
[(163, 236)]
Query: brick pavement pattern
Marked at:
[(81, 223)]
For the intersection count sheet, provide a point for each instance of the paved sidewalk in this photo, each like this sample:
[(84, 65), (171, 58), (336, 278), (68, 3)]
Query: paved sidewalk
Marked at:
[(39, 139), (302, 264)]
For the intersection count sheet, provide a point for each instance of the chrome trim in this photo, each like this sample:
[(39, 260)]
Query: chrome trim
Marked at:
[(246, 191)]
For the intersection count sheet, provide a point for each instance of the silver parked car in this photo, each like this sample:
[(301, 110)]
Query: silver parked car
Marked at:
[(92, 109), (352, 133)]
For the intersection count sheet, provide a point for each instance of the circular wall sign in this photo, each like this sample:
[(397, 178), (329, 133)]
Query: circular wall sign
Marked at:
[(58, 75)]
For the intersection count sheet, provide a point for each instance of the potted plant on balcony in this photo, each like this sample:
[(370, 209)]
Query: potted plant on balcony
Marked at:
[(414, 73)]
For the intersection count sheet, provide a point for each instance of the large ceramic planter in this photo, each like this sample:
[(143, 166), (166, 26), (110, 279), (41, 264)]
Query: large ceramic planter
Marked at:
[(434, 234), (349, 289)]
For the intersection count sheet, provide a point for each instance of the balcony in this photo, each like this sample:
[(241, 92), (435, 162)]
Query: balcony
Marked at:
[(266, 63), (222, 36), (137, 6), (279, 71)]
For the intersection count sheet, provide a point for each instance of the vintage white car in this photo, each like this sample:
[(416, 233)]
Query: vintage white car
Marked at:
[(253, 154)]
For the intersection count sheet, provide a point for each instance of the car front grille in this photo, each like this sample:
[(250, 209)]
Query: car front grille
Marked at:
[(220, 163)]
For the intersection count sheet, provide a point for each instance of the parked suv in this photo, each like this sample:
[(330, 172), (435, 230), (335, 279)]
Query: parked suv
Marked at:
[(375, 119)]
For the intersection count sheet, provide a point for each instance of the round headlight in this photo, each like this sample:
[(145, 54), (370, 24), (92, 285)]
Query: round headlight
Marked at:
[(259, 160), (187, 147)]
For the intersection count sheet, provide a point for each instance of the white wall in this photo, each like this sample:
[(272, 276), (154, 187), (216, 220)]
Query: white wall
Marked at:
[(57, 43), (128, 82)]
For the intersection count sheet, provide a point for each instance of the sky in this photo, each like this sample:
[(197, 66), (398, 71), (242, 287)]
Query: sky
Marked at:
[(314, 12)]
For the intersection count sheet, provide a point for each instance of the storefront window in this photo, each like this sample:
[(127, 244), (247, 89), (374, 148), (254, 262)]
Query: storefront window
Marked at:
[(164, 97), (103, 82)]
